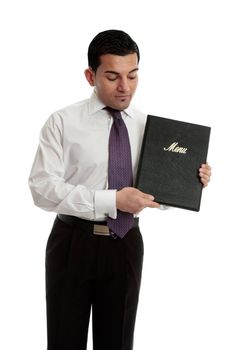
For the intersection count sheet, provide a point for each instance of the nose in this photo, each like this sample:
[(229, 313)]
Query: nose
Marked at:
[(123, 85)]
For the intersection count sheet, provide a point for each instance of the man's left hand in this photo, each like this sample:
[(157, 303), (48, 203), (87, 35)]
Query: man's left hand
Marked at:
[(205, 174)]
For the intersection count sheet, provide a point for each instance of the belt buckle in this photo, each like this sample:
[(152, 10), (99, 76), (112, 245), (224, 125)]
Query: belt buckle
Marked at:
[(101, 230)]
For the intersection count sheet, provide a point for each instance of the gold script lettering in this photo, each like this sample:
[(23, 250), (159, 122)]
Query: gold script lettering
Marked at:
[(175, 148)]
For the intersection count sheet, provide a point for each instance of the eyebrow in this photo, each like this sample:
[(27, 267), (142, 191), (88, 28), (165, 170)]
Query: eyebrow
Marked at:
[(113, 72)]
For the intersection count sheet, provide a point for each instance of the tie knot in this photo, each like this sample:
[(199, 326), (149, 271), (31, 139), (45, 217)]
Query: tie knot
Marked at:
[(115, 113)]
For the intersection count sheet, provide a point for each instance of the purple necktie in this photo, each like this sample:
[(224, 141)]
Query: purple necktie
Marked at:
[(120, 172)]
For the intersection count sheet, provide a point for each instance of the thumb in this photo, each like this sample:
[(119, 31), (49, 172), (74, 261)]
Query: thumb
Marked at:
[(147, 196)]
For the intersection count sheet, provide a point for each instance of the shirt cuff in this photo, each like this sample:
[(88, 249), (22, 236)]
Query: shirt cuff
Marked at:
[(105, 204)]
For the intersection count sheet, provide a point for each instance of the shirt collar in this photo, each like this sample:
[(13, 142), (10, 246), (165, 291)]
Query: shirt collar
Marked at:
[(96, 105), (130, 111)]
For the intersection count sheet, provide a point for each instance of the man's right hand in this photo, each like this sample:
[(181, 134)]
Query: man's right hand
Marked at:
[(131, 200)]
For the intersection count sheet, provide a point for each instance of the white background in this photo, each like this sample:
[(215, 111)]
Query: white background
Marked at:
[(185, 73)]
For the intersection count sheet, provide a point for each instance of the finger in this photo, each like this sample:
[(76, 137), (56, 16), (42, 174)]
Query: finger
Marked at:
[(152, 204), (205, 180), (205, 176), (204, 173), (205, 167), (147, 196)]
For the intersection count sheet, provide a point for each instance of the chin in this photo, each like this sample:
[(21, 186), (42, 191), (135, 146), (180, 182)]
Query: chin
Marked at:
[(122, 104)]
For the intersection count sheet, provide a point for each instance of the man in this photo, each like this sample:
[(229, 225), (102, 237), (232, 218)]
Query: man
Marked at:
[(95, 250)]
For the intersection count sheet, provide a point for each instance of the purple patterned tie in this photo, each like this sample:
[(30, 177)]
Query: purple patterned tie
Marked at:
[(120, 172)]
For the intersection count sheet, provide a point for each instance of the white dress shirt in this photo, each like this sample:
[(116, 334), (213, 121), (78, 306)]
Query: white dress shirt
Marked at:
[(70, 171)]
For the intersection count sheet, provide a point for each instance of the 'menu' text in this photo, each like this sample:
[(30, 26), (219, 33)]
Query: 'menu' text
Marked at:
[(174, 147)]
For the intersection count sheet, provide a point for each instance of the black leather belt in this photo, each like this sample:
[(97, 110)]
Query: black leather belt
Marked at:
[(99, 228)]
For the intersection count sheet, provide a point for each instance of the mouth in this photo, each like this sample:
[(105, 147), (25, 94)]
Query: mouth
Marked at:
[(123, 97)]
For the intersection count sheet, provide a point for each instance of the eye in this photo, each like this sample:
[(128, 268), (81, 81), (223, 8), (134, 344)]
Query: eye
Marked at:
[(132, 76), (111, 77)]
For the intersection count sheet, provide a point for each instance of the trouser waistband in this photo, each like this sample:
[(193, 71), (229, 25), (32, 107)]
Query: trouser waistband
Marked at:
[(97, 227)]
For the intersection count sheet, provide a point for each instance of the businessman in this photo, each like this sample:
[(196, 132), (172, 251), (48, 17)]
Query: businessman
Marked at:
[(84, 170)]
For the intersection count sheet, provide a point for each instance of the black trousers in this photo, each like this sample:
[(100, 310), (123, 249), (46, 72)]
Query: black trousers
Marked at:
[(84, 272)]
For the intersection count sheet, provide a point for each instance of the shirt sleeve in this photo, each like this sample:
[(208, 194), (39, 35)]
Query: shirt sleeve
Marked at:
[(50, 190)]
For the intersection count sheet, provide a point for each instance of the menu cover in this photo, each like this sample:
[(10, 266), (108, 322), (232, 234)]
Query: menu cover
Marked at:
[(171, 154)]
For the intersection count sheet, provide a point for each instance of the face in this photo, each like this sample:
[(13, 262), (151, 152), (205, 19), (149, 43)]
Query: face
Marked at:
[(115, 80)]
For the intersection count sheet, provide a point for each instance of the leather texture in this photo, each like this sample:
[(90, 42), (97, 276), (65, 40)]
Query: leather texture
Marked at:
[(171, 154)]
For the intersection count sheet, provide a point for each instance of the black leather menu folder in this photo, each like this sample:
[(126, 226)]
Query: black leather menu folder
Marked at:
[(171, 154)]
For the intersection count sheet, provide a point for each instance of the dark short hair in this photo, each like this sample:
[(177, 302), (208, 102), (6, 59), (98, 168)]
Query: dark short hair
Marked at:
[(115, 42)]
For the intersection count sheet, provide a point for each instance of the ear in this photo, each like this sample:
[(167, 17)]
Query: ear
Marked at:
[(90, 76)]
